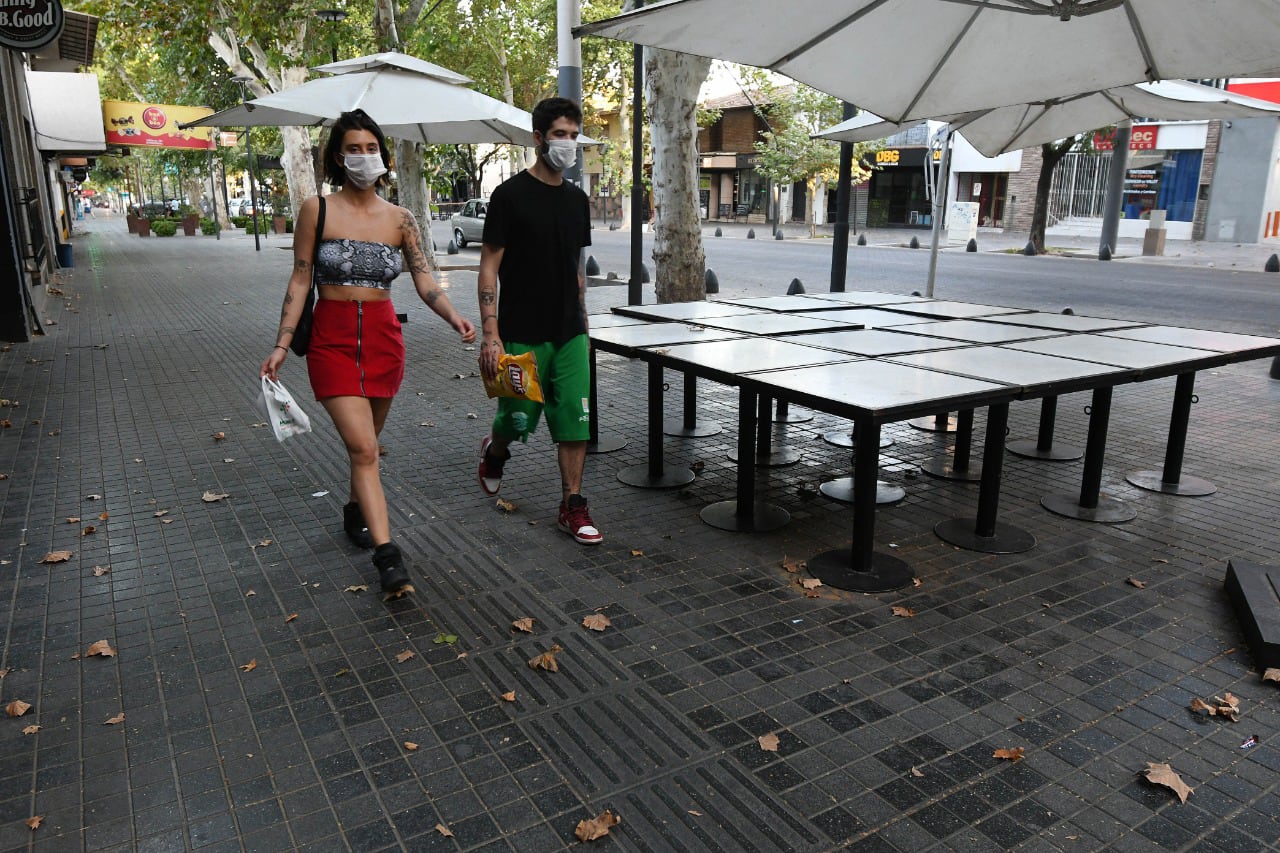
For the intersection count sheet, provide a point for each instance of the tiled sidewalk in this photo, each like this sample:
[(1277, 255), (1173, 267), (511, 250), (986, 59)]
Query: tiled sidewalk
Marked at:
[(886, 725)]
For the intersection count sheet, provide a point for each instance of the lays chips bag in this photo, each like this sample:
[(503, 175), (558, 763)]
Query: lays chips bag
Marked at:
[(517, 377)]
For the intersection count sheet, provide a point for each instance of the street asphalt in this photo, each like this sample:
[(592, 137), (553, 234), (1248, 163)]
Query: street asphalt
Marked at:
[(259, 698)]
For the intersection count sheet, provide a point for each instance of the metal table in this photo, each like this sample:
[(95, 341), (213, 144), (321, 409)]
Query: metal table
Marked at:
[(868, 297), (606, 443), (671, 311), (758, 323)]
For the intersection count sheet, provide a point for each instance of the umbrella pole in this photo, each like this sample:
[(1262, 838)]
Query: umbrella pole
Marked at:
[(1115, 190), (635, 295), (840, 246), (939, 204)]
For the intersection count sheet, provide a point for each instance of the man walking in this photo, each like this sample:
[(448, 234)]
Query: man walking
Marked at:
[(534, 233)]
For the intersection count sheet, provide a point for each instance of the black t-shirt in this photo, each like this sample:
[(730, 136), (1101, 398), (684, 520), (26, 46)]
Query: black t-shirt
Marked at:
[(542, 230)]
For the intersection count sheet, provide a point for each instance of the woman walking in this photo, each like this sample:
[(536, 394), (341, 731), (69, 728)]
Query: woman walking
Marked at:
[(355, 359)]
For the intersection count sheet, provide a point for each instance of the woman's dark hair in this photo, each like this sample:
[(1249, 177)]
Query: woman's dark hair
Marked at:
[(546, 111), (354, 120)]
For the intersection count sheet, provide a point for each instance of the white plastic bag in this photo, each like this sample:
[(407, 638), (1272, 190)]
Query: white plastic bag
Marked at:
[(281, 411)]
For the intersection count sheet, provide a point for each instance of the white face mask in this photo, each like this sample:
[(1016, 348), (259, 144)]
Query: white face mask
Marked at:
[(561, 153), (363, 169)]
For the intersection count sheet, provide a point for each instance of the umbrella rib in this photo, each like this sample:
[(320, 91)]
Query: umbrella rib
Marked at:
[(826, 34), (937, 68), (1140, 36)]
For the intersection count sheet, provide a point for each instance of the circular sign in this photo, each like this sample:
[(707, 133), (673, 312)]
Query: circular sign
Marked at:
[(154, 118), (31, 24)]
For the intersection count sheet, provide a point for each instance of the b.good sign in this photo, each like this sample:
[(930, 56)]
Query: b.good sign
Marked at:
[(30, 24)]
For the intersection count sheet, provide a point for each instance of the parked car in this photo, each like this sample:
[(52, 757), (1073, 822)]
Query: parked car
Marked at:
[(236, 206), (468, 223)]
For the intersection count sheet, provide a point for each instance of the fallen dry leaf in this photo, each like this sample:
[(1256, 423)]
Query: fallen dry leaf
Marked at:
[(399, 593), (93, 497), (218, 436), (905, 612), (546, 660), (793, 566), (100, 649), (505, 505), (160, 514), (4, 672), (916, 582), (1014, 754), (410, 745), (210, 497), (1163, 774), (30, 730), (357, 587), (596, 621), (249, 593), (1271, 674), (636, 552), (1135, 582), (75, 519), (17, 708), (915, 771), (1226, 705), (405, 655), (56, 557), (524, 623), (102, 516), (262, 543), (694, 812), (509, 696), (769, 742), (250, 666), (99, 571), (118, 718), (34, 822), (597, 827), (291, 617), (810, 583), (1159, 560), (88, 530), (443, 830)]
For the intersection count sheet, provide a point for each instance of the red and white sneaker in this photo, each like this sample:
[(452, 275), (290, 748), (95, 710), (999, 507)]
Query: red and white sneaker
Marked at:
[(576, 521), (490, 473)]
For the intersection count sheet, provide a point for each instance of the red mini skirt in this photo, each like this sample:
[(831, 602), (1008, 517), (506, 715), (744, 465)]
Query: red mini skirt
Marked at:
[(356, 349)]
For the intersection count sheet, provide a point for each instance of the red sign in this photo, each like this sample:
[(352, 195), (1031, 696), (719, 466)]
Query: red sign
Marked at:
[(1141, 137)]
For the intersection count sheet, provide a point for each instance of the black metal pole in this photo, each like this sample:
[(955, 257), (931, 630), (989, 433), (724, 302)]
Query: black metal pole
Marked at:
[(840, 246), (253, 188), (635, 295), (1178, 421), (1095, 444), (746, 485), (964, 440), (690, 401), (655, 421), (1048, 422), (992, 463)]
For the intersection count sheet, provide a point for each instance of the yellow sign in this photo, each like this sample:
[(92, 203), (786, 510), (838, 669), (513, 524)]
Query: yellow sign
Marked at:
[(154, 125), (888, 155)]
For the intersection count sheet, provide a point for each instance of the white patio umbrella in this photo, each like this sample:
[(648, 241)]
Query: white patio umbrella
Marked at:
[(1011, 128), (915, 59)]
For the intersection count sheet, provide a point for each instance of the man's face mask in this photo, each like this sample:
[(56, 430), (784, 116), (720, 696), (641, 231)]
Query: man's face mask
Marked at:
[(560, 154), (363, 169)]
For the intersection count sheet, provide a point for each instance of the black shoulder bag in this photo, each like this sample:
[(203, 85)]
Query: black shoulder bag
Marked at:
[(302, 332)]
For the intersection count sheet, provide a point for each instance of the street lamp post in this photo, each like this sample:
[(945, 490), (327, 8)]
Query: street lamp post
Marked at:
[(332, 16), (253, 179)]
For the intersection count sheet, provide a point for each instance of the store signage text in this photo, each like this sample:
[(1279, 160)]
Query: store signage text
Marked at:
[(894, 156), (1143, 137), (30, 24)]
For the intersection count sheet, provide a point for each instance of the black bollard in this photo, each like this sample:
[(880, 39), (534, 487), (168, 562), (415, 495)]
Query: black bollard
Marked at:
[(1273, 264), (862, 239), (713, 283), (612, 276), (972, 245), (1068, 310), (453, 248), (916, 293), (751, 233), (796, 287), (1275, 368), (644, 274), (777, 235), (915, 244), (719, 232), (1104, 254), (592, 268), (1030, 249)]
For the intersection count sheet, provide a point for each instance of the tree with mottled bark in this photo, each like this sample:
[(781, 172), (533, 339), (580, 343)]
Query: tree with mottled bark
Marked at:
[(1052, 154)]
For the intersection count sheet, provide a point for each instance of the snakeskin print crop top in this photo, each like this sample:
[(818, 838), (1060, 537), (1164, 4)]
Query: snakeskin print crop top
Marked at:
[(358, 263)]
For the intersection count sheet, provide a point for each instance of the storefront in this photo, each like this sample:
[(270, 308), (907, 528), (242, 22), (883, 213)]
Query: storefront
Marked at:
[(1163, 169), (729, 188), (897, 194)]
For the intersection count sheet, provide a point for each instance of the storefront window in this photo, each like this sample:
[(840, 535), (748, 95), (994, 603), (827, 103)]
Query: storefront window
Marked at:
[(1162, 180), (751, 190)]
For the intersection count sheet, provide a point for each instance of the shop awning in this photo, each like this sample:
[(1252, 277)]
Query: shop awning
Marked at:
[(67, 111)]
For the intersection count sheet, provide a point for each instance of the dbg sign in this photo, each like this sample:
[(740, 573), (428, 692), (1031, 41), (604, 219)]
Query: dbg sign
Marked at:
[(30, 24)]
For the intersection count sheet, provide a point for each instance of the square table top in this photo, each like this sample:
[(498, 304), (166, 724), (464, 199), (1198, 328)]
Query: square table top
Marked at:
[(878, 389), (955, 310), (771, 323), (870, 318), (685, 310), (976, 331), (1035, 372), (1064, 322), (658, 334), (782, 303), (745, 355), (1106, 349), (1225, 342), (608, 321), (867, 297), (871, 342)]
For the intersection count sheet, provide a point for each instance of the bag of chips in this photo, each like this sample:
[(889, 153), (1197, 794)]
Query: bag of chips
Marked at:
[(517, 377)]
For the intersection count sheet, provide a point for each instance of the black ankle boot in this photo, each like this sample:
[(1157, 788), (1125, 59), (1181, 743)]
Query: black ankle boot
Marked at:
[(353, 524), (390, 565)]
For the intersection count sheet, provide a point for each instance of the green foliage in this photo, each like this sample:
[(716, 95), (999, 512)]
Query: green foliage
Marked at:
[(164, 227), (209, 226)]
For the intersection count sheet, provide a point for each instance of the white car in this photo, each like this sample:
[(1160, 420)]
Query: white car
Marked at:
[(468, 223)]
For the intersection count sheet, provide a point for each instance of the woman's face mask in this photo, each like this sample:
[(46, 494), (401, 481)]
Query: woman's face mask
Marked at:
[(363, 170), (560, 154)]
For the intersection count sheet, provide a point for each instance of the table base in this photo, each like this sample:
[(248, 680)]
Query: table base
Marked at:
[(642, 478), (844, 438), (962, 532), (835, 569), (764, 517), (945, 469), (841, 489), (1030, 449), (1187, 487), (778, 457), (1108, 510), (931, 424), (605, 443), (793, 416), (702, 429)]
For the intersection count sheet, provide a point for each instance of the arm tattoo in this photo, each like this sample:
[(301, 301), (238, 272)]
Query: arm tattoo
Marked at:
[(302, 264), (433, 295), (488, 297)]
